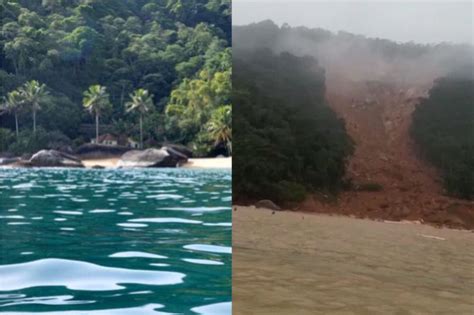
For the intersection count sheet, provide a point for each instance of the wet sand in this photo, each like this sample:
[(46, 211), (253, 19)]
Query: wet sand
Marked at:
[(298, 263), (192, 163)]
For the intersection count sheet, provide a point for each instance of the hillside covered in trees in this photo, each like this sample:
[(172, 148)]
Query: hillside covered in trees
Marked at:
[(443, 127), (409, 120), (145, 69), (288, 141)]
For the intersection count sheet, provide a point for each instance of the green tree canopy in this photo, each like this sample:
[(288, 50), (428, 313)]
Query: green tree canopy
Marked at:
[(443, 127), (96, 101), (141, 102), (123, 45)]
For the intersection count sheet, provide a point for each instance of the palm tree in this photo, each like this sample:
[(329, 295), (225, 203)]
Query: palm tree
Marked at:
[(141, 101), (33, 93), (12, 105), (220, 127), (96, 101)]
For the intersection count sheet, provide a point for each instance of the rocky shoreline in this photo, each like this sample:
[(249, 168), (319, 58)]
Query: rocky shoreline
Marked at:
[(167, 156)]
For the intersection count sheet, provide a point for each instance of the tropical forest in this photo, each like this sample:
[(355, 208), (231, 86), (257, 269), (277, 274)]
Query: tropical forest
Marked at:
[(288, 140), (153, 72)]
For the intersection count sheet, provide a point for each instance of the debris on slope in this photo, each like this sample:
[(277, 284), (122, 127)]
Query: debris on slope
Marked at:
[(389, 180)]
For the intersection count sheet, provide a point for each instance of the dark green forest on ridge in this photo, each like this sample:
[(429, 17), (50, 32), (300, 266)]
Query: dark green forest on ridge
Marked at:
[(443, 127), (177, 51), (287, 140)]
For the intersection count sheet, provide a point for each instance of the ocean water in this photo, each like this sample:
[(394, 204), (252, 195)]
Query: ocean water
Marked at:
[(143, 241)]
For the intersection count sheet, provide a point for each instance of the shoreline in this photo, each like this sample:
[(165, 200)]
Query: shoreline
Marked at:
[(111, 163), (192, 163), (349, 216), (355, 216)]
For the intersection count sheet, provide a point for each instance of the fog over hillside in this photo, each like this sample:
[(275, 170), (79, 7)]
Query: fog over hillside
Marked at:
[(356, 57), (421, 21)]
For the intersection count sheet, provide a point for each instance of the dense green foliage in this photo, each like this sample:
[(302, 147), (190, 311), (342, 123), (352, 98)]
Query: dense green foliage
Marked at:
[(443, 126), (167, 47), (288, 141)]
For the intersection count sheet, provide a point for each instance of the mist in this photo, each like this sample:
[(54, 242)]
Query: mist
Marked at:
[(425, 22), (357, 58)]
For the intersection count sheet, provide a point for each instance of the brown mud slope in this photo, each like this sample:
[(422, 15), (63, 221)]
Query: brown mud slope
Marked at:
[(390, 180)]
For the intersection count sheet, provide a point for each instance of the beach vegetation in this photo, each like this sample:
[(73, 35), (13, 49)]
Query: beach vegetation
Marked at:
[(96, 101), (141, 102), (178, 51)]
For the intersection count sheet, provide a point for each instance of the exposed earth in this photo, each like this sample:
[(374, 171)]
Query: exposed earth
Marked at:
[(391, 181)]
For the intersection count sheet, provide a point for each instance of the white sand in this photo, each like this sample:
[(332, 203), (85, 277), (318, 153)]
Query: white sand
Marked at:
[(192, 163), (209, 163)]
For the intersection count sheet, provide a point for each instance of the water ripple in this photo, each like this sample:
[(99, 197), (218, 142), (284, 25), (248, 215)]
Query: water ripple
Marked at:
[(209, 248), (136, 254), (94, 242), (166, 220), (78, 275)]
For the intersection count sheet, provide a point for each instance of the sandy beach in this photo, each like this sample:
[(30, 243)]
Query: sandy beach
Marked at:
[(225, 162), (192, 163), (299, 263)]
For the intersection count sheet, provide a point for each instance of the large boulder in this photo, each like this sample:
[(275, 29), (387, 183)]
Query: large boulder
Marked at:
[(267, 204), (53, 158), (164, 157), (180, 148)]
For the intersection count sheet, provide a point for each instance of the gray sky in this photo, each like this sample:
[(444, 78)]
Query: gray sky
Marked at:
[(419, 21)]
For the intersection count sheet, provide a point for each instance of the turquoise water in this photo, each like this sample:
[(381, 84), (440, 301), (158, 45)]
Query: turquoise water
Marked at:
[(145, 241)]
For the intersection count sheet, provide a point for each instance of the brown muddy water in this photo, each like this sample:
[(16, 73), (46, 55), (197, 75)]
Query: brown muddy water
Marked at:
[(295, 263)]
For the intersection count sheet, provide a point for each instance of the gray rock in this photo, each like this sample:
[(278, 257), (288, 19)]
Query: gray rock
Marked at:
[(181, 149), (164, 157), (267, 204), (53, 158)]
